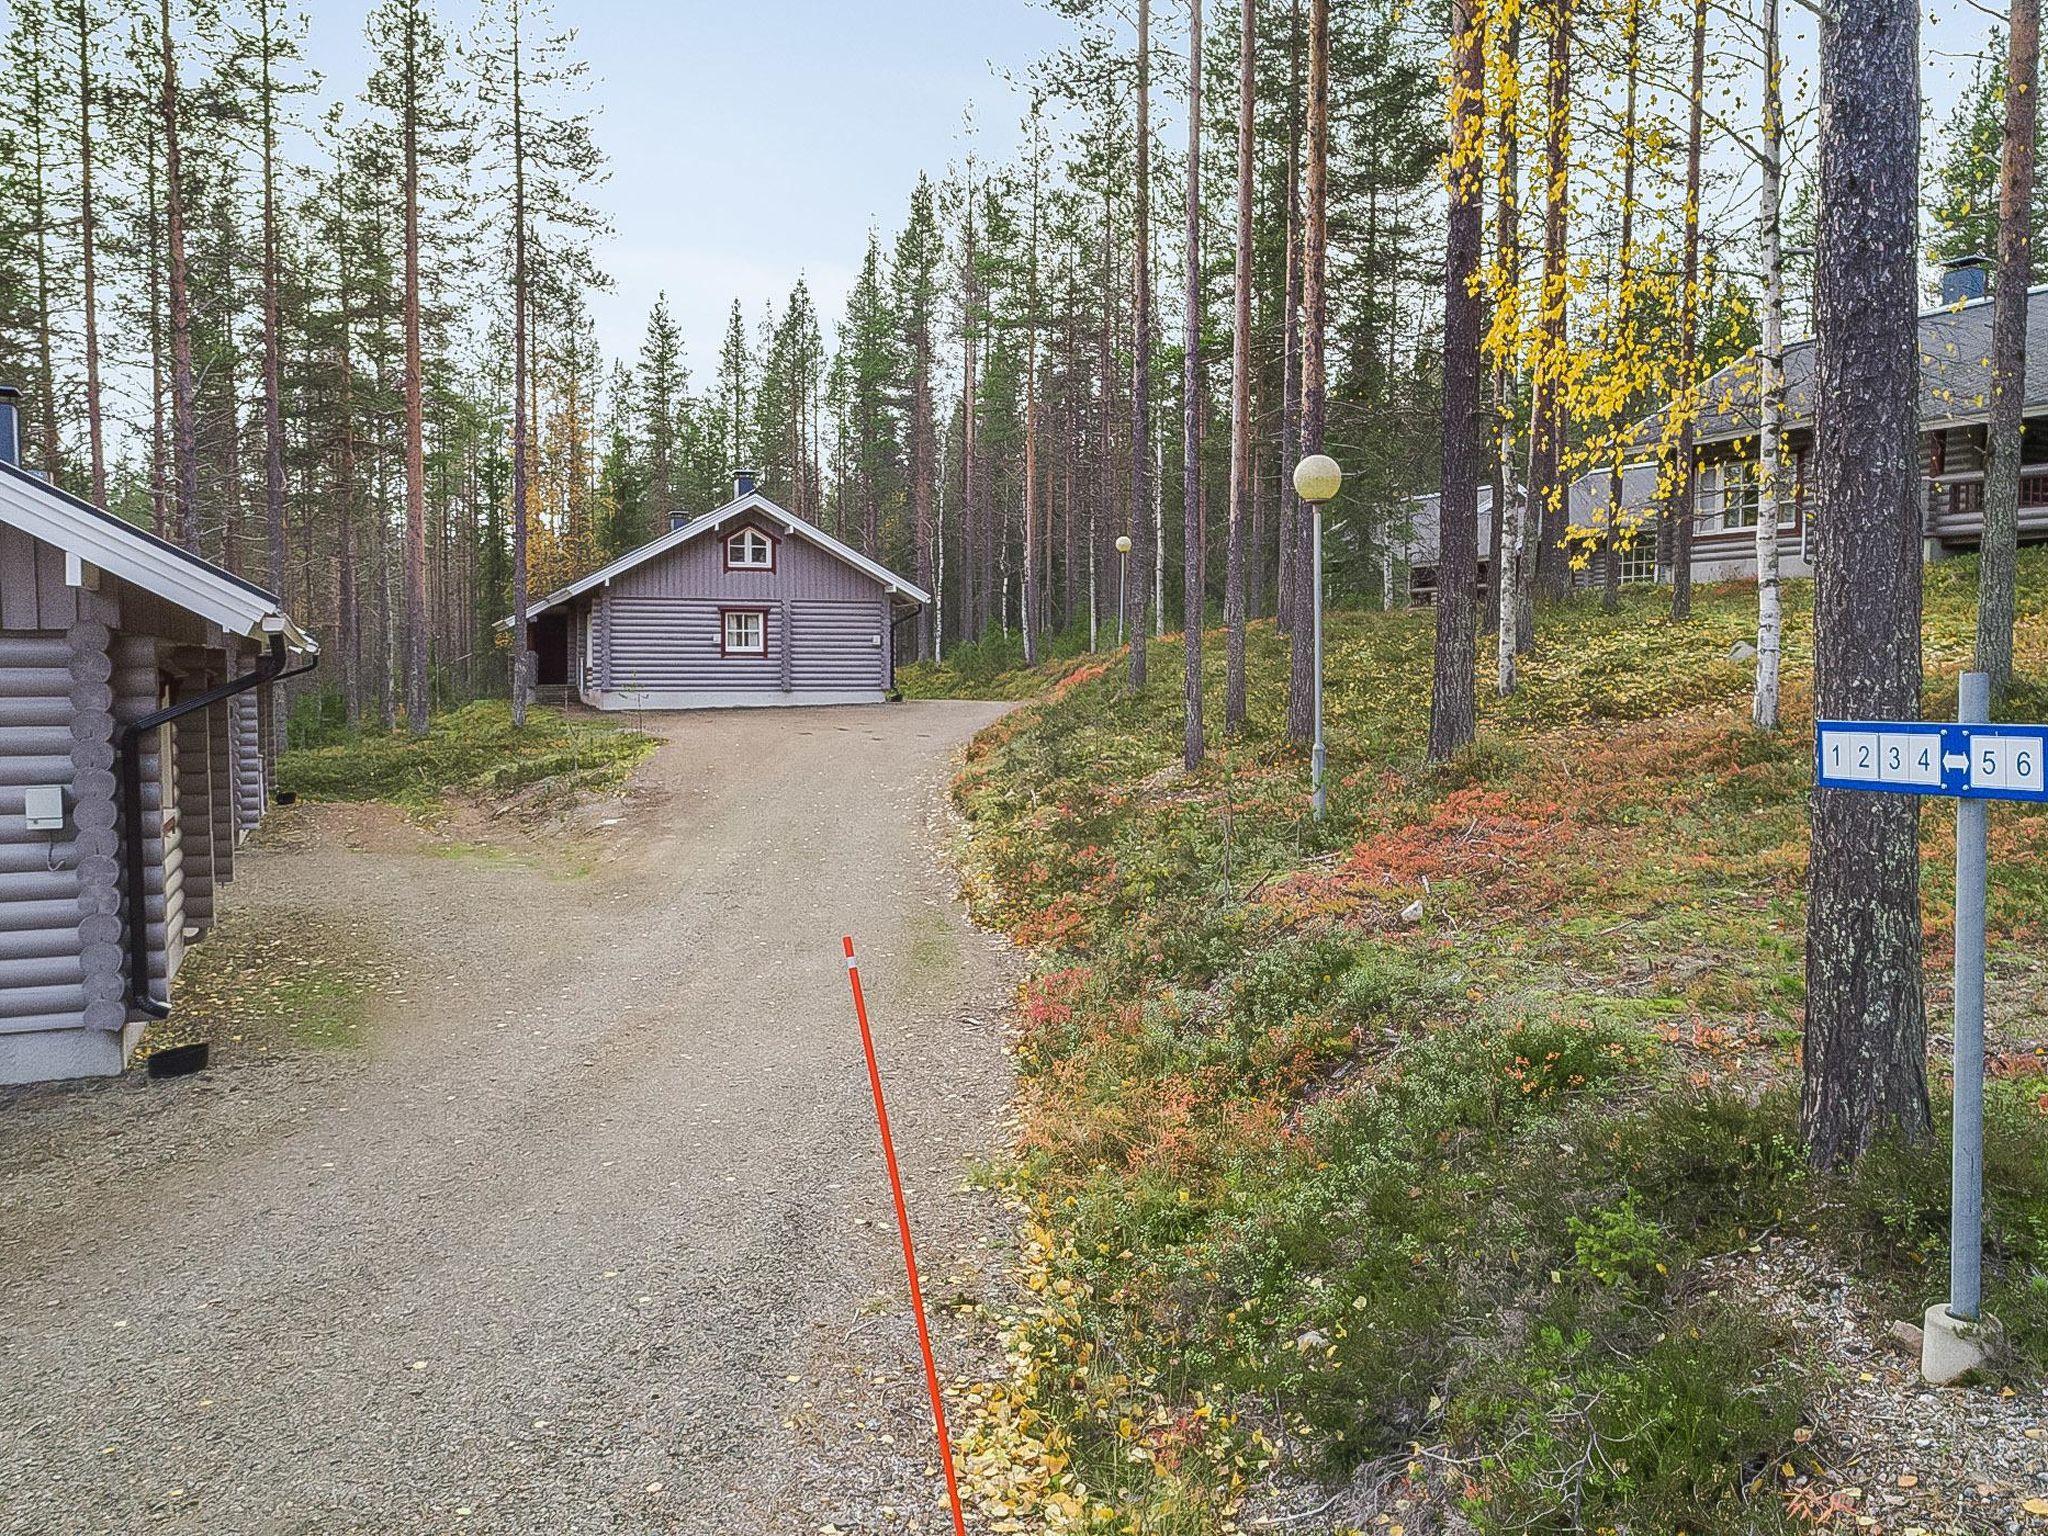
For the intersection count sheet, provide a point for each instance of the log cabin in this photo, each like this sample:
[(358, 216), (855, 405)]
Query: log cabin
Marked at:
[(1955, 389), (745, 605), (136, 755)]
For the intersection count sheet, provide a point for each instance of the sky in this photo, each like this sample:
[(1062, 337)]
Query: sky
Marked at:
[(751, 141)]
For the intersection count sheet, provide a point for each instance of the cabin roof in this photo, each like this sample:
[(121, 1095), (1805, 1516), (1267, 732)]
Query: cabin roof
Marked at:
[(98, 538), (751, 502), (1955, 377)]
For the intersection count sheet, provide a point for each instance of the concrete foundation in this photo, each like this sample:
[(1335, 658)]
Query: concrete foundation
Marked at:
[(1952, 1347)]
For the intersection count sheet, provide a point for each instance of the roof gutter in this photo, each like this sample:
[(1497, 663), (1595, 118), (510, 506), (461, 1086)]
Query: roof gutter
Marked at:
[(272, 668)]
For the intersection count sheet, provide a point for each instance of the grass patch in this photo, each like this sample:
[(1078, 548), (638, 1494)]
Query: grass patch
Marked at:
[(474, 751), (1315, 1181)]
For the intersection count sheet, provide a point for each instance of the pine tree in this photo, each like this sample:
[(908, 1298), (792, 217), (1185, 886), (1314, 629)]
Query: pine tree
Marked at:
[(1865, 1056), (660, 395)]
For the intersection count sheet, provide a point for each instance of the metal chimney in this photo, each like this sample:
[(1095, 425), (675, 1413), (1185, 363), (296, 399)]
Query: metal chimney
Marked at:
[(676, 520), (1964, 278), (10, 425), (743, 483)]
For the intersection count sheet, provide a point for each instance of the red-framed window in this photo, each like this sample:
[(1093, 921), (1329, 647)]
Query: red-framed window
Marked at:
[(743, 632), (749, 549)]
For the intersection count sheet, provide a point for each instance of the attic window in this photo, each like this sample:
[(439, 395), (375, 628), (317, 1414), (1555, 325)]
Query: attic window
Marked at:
[(749, 550)]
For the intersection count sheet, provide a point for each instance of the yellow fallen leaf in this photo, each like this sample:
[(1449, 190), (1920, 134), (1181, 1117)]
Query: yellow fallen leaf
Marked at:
[(2036, 1507)]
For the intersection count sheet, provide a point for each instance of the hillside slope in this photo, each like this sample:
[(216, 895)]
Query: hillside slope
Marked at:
[(1436, 1165)]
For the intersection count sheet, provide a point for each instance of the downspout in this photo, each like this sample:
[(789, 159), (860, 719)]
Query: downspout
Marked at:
[(269, 670), (895, 625)]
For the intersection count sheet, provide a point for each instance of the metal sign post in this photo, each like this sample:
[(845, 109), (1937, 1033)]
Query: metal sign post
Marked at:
[(1971, 762)]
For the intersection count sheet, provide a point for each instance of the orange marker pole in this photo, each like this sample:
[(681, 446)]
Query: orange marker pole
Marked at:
[(924, 1336)]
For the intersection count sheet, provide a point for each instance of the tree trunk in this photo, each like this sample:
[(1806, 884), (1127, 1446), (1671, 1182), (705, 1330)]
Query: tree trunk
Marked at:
[(1684, 503), (1192, 584), (1027, 607), (1452, 705), (1141, 352), (1301, 700), (1866, 1033), (1624, 304), (522, 678), (1241, 468), (974, 607), (273, 351), (417, 686), (922, 474), (1770, 626), (1508, 592), (1292, 514), (184, 384), (1547, 419), (1996, 574), (159, 478), (348, 611), (88, 259)]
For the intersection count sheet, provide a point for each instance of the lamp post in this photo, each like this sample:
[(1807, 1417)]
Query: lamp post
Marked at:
[(1316, 479), (1123, 572)]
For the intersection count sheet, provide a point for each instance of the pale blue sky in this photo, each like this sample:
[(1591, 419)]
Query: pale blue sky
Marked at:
[(751, 140)]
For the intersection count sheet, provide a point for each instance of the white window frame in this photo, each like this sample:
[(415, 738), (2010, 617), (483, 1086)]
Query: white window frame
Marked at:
[(1639, 561), (739, 647), (743, 544)]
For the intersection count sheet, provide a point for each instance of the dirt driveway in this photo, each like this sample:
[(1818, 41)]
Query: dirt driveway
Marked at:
[(593, 1237)]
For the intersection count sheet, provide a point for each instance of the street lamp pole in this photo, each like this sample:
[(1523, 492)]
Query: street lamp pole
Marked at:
[(1123, 572), (1316, 479)]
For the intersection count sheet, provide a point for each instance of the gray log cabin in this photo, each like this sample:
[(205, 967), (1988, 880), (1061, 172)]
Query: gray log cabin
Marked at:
[(745, 605), (135, 756), (1955, 392)]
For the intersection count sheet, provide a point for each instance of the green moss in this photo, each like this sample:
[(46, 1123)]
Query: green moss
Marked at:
[(475, 751)]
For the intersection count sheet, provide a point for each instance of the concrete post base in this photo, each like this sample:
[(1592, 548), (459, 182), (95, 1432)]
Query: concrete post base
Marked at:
[(1951, 1347)]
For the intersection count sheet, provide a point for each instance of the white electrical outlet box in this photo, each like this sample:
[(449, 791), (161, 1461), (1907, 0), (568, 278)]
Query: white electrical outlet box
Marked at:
[(45, 807)]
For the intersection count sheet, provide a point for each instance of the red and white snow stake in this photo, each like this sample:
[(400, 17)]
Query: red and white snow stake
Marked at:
[(924, 1335)]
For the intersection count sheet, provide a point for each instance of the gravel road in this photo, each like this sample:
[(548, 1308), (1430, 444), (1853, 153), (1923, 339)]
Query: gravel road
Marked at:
[(594, 1237)]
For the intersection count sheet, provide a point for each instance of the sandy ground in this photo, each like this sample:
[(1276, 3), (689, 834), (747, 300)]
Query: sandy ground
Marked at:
[(593, 1237)]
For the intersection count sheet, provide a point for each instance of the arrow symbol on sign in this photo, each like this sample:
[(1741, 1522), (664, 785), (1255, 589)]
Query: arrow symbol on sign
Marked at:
[(1955, 759)]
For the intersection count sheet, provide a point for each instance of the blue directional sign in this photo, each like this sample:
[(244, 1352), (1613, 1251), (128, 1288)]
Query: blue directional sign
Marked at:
[(1916, 757)]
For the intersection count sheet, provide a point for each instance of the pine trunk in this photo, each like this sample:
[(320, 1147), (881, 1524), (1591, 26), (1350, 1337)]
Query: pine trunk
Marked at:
[(1996, 576), (1865, 1073), (88, 241), (1292, 513), (1192, 743), (1684, 504), (1301, 691), (1452, 705), (184, 384), (522, 672), (273, 359), (1552, 574), (417, 684), (1141, 352), (1241, 468)]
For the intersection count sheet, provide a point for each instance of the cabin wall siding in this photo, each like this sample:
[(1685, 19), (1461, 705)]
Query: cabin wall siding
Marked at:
[(41, 968), (76, 664), (248, 764), (803, 572), (659, 628)]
